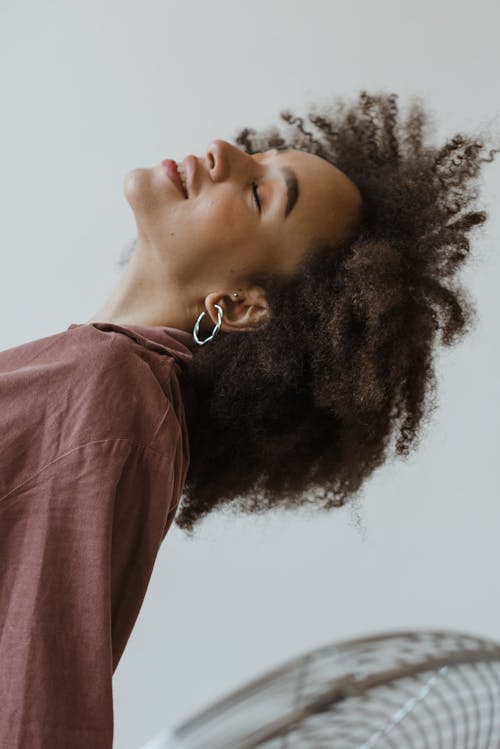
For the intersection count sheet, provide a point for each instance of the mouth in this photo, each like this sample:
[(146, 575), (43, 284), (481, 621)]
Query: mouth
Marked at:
[(177, 175)]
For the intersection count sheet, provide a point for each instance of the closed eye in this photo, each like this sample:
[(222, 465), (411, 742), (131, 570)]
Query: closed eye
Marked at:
[(256, 195)]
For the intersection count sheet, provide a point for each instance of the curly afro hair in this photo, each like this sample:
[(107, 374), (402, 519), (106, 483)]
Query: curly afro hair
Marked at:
[(299, 412)]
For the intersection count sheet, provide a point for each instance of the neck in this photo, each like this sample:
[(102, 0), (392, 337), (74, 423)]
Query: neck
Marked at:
[(144, 296)]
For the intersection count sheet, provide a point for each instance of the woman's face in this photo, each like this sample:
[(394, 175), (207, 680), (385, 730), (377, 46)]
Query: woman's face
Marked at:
[(219, 234)]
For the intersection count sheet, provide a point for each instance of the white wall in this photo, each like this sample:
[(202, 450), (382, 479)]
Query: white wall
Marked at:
[(93, 89)]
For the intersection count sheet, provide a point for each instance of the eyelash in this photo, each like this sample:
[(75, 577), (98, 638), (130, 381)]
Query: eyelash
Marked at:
[(256, 196)]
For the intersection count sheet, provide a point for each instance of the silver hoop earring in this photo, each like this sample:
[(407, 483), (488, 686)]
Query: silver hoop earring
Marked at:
[(214, 331)]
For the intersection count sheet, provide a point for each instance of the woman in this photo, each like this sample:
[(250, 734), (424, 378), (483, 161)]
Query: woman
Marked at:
[(271, 332)]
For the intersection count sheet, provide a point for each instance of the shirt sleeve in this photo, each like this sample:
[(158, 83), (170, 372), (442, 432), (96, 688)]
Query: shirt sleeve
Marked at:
[(78, 541)]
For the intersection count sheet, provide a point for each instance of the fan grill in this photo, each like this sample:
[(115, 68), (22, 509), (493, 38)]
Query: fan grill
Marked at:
[(407, 690), (458, 708)]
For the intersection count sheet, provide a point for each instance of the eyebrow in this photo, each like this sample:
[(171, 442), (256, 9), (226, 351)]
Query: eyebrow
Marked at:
[(291, 185)]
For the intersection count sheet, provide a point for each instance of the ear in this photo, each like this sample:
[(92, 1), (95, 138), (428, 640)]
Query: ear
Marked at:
[(243, 313)]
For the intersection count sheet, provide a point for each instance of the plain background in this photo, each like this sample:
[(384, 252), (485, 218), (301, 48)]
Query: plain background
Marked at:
[(91, 90)]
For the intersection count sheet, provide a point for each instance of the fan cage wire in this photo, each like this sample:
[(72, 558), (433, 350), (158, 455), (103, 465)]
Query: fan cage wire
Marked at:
[(404, 648), (350, 731)]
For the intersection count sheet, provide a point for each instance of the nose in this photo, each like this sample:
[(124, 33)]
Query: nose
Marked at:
[(224, 159)]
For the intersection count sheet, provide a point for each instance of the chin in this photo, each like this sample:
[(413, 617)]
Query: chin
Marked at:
[(137, 186)]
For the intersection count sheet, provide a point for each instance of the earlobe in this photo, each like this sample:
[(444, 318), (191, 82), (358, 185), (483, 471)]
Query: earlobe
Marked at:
[(214, 331)]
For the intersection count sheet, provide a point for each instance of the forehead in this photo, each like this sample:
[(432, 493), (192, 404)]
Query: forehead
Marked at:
[(327, 196), (312, 166)]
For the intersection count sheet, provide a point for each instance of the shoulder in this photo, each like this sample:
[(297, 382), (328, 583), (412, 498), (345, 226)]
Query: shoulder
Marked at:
[(86, 384), (83, 387)]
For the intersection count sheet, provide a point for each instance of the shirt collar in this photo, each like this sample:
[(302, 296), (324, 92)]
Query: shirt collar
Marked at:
[(173, 341)]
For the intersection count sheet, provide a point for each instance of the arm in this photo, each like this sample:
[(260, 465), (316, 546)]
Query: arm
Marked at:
[(78, 542)]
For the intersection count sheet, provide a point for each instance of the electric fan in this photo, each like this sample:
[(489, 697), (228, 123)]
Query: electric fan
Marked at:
[(403, 690)]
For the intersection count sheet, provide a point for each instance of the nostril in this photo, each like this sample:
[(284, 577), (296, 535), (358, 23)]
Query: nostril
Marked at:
[(211, 160)]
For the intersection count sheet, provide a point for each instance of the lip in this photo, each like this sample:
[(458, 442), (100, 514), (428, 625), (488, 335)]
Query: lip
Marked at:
[(170, 168), (189, 165)]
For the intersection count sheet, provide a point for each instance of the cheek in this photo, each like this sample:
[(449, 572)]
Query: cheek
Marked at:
[(224, 221)]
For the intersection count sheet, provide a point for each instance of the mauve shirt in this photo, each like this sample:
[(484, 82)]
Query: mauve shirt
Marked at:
[(94, 455)]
